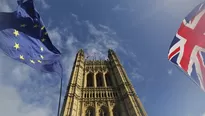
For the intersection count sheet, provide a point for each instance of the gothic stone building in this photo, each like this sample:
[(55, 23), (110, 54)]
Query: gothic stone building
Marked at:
[(100, 88)]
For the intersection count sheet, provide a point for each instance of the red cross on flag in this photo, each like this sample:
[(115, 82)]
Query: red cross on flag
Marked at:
[(187, 49)]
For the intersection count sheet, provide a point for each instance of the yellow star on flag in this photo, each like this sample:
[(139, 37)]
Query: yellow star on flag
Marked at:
[(42, 49), (42, 27), (42, 57), (35, 26), (21, 57), (23, 25), (16, 46), (16, 33), (39, 61), (32, 61), (43, 40)]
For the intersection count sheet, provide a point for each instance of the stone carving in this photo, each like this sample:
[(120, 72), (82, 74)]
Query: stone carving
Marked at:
[(104, 69), (102, 103), (87, 69), (97, 62), (112, 103), (89, 104)]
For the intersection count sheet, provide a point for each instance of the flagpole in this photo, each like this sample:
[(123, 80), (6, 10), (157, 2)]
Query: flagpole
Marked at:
[(59, 102), (61, 84)]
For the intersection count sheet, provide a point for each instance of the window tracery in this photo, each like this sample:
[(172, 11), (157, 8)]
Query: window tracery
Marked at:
[(99, 78), (90, 82), (103, 111), (90, 111), (115, 111), (108, 79)]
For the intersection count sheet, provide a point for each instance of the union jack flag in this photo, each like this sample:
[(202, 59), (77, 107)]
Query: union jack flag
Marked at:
[(187, 49)]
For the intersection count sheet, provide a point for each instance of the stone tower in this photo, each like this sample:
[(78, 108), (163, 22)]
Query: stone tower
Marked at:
[(100, 88)]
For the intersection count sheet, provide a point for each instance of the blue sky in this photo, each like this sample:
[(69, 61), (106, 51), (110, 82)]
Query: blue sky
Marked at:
[(139, 31)]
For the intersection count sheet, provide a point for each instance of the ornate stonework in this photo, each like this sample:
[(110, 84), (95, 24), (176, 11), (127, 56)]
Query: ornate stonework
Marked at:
[(100, 88), (87, 104)]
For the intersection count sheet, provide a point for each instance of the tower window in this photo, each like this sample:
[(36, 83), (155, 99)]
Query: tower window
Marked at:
[(90, 111), (108, 79), (103, 111), (99, 78), (116, 111), (90, 82)]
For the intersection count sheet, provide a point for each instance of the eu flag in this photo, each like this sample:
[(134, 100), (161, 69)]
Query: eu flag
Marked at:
[(23, 37)]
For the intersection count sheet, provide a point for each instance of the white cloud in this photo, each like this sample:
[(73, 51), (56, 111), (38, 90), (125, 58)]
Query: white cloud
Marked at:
[(65, 43), (5, 6), (44, 4), (12, 70), (143, 99), (136, 75), (103, 38), (55, 36), (118, 7), (75, 16), (20, 94), (12, 76), (170, 71), (12, 104)]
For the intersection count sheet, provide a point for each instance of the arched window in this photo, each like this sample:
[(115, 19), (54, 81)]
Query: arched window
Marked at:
[(99, 78), (108, 79), (90, 82), (103, 111), (90, 111), (116, 111)]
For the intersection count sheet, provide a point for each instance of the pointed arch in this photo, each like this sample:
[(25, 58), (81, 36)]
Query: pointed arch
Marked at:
[(116, 111), (90, 80), (99, 79), (103, 111), (90, 111), (108, 79)]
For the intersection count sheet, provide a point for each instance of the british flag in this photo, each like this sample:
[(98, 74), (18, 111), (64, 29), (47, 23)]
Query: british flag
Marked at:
[(187, 49)]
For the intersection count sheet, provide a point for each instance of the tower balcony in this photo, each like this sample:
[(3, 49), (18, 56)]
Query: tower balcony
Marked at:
[(99, 93)]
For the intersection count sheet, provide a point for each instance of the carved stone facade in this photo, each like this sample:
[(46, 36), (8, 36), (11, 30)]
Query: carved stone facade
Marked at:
[(100, 88)]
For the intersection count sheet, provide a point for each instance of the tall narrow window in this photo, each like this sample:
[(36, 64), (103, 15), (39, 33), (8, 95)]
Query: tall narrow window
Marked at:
[(103, 111), (99, 78), (115, 111), (108, 79), (90, 111), (90, 82)]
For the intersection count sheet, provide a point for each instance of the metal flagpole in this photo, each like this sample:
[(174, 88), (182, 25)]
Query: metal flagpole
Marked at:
[(61, 84), (59, 102)]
